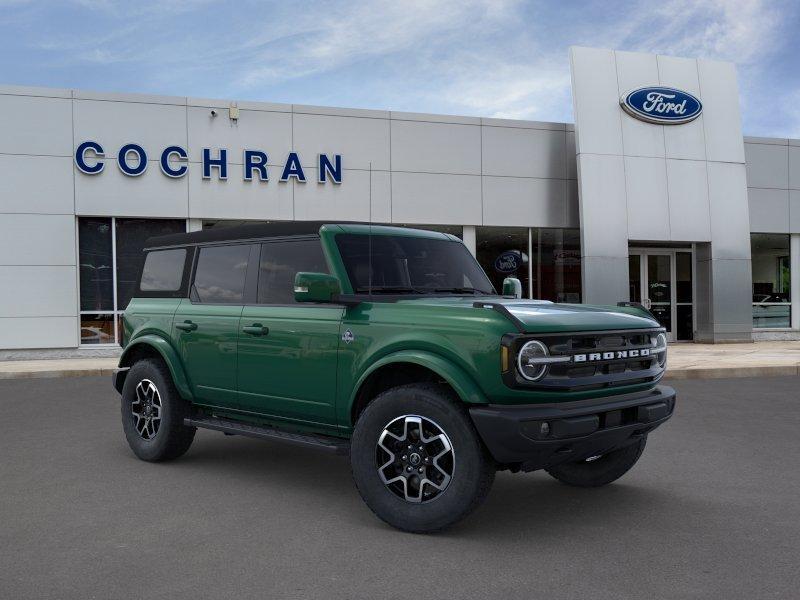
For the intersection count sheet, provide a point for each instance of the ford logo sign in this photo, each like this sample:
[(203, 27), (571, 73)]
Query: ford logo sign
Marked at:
[(662, 105), (508, 262)]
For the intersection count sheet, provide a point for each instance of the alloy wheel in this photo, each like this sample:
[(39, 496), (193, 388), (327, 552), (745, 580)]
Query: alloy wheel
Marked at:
[(415, 458), (146, 409)]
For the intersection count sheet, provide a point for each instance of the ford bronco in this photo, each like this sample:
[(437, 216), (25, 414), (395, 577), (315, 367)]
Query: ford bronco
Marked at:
[(389, 345)]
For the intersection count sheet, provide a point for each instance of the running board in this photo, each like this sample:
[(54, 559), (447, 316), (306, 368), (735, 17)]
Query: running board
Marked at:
[(231, 427)]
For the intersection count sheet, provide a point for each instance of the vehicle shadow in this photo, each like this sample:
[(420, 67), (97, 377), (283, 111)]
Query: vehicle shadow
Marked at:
[(523, 502)]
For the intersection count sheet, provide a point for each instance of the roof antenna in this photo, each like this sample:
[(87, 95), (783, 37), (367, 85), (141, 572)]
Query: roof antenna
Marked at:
[(369, 236)]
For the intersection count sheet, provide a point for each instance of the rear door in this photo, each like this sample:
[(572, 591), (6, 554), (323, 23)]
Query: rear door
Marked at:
[(288, 351), (206, 325)]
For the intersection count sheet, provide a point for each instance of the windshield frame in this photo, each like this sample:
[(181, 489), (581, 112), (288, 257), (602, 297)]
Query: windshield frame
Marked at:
[(410, 290)]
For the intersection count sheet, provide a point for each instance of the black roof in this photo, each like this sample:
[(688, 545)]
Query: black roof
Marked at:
[(236, 232)]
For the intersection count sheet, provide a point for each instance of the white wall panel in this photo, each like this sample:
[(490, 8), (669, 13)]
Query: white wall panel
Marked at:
[(349, 201), (594, 82), (794, 211), (524, 152), (688, 140), (769, 210), (436, 198), (38, 291), (767, 166), (794, 168), (36, 184), (689, 216), (114, 124), (635, 70), (436, 147), (603, 205), (524, 202), (270, 132), (35, 125), (30, 239), (722, 121), (239, 199), (39, 332), (730, 212), (152, 194), (359, 141), (647, 201)]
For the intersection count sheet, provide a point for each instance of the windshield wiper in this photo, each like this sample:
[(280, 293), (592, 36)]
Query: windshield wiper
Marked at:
[(389, 289), (463, 290)]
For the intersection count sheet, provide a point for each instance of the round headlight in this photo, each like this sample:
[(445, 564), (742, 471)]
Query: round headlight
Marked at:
[(528, 360), (660, 348)]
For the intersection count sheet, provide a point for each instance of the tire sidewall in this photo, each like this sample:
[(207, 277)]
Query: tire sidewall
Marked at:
[(156, 447), (471, 464)]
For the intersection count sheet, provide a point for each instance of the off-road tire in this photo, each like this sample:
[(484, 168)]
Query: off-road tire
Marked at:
[(473, 468), (172, 438), (601, 471)]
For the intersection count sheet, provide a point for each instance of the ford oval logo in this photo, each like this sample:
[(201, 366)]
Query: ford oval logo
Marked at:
[(663, 105), (507, 262)]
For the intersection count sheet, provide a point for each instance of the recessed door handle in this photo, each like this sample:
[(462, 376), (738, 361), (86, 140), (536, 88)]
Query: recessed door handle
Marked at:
[(255, 329), (186, 326)]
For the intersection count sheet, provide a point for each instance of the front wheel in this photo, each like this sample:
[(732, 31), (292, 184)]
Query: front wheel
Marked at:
[(153, 413), (600, 470), (417, 460)]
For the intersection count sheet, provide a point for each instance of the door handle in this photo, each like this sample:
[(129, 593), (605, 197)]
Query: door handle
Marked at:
[(256, 329), (186, 326)]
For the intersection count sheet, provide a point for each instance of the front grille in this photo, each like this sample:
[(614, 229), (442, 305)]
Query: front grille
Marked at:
[(614, 367)]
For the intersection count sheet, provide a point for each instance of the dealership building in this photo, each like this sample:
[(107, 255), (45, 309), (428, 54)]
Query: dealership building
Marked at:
[(653, 195)]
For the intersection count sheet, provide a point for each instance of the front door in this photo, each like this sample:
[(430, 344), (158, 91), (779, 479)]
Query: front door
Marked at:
[(288, 352), (206, 325), (662, 281)]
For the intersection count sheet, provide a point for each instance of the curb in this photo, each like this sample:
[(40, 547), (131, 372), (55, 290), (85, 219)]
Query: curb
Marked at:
[(57, 373), (732, 372)]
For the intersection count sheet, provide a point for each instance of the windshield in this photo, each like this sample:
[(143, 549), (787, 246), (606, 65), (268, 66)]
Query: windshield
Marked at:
[(410, 265)]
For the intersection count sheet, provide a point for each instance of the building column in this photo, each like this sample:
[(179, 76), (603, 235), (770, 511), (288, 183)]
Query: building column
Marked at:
[(794, 274), (470, 240)]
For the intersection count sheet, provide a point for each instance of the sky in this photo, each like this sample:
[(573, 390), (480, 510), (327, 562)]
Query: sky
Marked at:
[(488, 58)]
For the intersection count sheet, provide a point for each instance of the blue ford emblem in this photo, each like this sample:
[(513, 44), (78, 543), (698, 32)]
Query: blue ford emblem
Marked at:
[(663, 105), (507, 262)]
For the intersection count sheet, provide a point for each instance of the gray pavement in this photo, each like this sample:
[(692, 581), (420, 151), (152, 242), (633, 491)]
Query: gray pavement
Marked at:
[(712, 510)]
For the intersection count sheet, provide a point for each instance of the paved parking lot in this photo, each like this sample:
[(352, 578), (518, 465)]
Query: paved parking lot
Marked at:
[(711, 511)]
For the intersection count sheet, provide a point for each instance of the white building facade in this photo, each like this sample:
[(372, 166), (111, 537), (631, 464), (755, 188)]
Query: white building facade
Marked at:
[(693, 219)]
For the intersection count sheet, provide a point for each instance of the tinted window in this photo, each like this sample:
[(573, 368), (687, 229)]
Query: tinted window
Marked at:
[(131, 235), (163, 270), (407, 264), (220, 274), (280, 262), (96, 264)]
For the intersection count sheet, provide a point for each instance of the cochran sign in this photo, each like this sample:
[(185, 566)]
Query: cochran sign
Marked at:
[(663, 105), (132, 160)]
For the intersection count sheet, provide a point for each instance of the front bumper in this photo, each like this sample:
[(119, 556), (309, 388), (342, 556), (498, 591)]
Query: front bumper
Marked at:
[(538, 436)]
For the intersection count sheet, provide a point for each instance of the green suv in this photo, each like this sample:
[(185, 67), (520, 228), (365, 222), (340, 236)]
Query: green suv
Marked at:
[(389, 345)]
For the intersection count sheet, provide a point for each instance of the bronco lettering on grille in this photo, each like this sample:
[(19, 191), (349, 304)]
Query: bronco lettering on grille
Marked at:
[(616, 355)]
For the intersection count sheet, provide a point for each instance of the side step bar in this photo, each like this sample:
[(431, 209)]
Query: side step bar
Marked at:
[(231, 427)]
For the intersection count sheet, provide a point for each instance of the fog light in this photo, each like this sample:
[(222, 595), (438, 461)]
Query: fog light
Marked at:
[(545, 428)]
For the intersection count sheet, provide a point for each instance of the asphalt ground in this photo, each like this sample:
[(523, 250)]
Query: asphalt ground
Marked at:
[(712, 510)]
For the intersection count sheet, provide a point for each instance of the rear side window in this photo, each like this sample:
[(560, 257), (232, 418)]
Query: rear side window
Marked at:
[(163, 270), (280, 262), (220, 274)]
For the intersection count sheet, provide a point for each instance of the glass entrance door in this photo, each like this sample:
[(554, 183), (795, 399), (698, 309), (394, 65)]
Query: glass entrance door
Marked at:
[(662, 281)]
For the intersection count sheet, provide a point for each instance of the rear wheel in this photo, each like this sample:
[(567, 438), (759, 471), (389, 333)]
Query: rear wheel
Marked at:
[(153, 413), (417, 460), (600, 470)]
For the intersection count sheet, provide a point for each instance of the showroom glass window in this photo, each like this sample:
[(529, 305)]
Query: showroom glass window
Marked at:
[(771, 280), (110, 259), (546, 261)]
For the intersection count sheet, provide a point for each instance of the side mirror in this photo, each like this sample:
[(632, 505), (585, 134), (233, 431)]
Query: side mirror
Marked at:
[(315, 287), (512, 287)]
